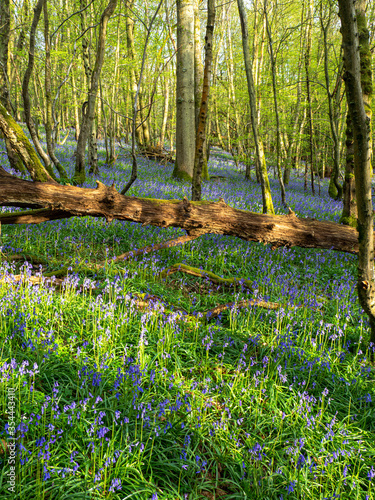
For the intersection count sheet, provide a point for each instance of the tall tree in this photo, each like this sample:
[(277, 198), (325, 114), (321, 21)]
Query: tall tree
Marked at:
[(185, 99), (265, 185), (353, 21), (349, 212), (201, 129)]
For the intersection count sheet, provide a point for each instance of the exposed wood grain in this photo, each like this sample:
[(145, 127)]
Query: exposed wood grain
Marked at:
[(195, 217)]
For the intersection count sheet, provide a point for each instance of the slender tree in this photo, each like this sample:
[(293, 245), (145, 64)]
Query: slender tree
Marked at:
[(266, 190), (353, 21), (349, 213), (201, 136)]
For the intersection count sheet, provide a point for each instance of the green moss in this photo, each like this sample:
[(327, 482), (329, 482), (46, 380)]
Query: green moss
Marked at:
[(205, 174), (205, 274), (365, 53), (36, 169), (332, 190), (79, 178), (348, 221), (181, 174)]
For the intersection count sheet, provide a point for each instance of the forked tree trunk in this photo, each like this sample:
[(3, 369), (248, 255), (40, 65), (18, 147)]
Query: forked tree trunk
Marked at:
[(353, 19)]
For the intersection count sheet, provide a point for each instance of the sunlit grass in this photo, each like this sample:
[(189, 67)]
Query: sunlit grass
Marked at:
[(114, 401)]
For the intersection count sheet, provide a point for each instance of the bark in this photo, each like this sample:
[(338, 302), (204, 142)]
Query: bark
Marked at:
[(185, 109), (115, 88), (359, 92), (89, 114), (201, 131), (266, 190), (92, 143), (349, 212), (198, 65), (257, 66), (198, 83), (196, 217), (21, 145)]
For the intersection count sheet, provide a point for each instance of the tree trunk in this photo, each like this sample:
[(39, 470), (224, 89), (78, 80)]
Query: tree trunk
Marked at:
[(89, 113), (266, 190), (198, 65), (185, 114), (349, 212), (358, 85), (195, 217), (201, 136), (21, 145)]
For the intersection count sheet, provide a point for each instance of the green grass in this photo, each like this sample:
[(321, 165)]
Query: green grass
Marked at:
[(254, 404)]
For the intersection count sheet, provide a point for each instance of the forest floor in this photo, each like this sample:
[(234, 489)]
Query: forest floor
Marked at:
[(123, 390)]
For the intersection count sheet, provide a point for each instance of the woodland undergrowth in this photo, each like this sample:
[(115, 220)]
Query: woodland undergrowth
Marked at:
[(125, 388)]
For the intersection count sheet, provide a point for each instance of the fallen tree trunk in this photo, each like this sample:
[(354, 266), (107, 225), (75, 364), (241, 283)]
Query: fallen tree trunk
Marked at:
[(196, 218)]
